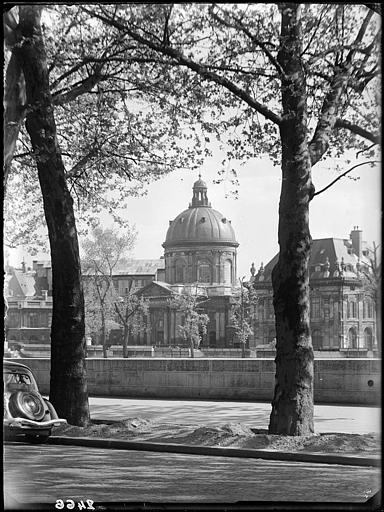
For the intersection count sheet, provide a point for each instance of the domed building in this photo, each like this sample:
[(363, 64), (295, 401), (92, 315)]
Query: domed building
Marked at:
[(200, 245), (200, 258)]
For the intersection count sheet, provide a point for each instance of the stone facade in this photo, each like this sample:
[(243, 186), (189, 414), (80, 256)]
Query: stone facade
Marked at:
[(29, 304), (342, 303)]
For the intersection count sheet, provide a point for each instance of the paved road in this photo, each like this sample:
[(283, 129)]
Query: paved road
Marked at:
[(328, 418), (46, 473)]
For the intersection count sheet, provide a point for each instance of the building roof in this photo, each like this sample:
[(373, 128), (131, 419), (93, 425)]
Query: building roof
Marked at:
[(330, 257), (22, 284), (140, 267), (200, 223), (156, 288)]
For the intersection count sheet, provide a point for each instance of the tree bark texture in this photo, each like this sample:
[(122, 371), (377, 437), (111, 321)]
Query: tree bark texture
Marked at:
[(68, 386), (292, 405), (14, 100)]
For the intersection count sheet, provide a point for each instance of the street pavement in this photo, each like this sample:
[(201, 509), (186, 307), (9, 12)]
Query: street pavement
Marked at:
[(328, 418), (46, 473)]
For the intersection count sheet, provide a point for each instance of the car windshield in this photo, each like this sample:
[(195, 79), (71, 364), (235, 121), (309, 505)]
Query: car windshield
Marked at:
[(14, 380)]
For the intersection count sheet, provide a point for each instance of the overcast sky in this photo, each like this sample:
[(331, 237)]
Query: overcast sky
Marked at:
[(254, 214)]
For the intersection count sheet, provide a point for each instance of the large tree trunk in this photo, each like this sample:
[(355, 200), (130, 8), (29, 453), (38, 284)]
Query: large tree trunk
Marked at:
[(68, 391), (292, 405)]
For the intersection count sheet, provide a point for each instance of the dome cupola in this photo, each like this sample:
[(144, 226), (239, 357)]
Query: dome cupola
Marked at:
[(200, 223), (200, 244)]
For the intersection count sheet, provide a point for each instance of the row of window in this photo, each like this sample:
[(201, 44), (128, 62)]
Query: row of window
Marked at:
[(204, 272), (320, 341), (32, 319), (320, 310), (366, 341)]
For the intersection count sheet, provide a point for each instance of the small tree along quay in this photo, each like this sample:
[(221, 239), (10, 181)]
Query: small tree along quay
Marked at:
[(242, 313), (130, 311), (296, 82), (194, 320), (103, 252)]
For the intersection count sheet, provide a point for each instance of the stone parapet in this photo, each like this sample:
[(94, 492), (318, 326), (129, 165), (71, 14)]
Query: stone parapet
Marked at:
[(343, 381)]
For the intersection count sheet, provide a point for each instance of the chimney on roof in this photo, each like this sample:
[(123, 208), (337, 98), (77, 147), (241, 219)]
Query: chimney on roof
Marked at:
[(23, 266), (356, 237), (44, 293)]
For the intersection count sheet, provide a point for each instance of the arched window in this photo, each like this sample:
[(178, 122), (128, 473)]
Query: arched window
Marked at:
[(368, 338), (228, 272), (204, 273), (352, 338), (317, 340)]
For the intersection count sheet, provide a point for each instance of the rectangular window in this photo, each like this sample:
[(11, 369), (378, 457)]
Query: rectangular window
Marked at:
[(352, 309), (12, 319), (33, 320), (315, 308), (269, 311), (368, 309)]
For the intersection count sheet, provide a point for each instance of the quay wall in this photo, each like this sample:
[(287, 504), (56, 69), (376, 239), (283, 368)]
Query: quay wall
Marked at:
[(345, 381)]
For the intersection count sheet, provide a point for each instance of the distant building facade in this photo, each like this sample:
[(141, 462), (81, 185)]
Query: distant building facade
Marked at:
[(29, 298), (342, 303)]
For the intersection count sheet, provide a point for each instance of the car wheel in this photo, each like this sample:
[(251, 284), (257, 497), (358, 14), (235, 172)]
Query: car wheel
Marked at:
[(27, 404), (35, 439)]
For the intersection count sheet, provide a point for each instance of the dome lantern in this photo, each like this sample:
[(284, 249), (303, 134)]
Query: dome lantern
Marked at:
[(200, 197)]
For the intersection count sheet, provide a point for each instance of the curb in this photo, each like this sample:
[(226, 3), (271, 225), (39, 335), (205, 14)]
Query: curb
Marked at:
[(115, 444)]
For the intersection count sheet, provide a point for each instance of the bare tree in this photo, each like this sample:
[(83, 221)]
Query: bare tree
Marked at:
[(102, 254), (130, 310), (195, 321)]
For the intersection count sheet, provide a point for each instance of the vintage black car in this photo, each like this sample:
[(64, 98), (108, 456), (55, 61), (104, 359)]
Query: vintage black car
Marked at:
[(26, 412)]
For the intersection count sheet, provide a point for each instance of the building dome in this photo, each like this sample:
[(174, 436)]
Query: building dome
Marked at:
[(200, 223), (200, 245)]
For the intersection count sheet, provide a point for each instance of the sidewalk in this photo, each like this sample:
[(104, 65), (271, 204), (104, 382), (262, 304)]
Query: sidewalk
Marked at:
[(328, 418), (203, 428), (214, 451)]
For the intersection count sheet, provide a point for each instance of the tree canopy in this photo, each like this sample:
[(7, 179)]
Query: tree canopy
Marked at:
[(115, 133)]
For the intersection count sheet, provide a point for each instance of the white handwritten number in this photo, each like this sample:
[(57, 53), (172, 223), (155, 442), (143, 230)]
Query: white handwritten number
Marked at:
[(70, 504)]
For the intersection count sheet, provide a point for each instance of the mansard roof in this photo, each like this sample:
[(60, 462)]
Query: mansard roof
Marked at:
[(330, 257)]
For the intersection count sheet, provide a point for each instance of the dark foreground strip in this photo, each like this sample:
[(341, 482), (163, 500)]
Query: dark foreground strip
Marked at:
[(214, 451)]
